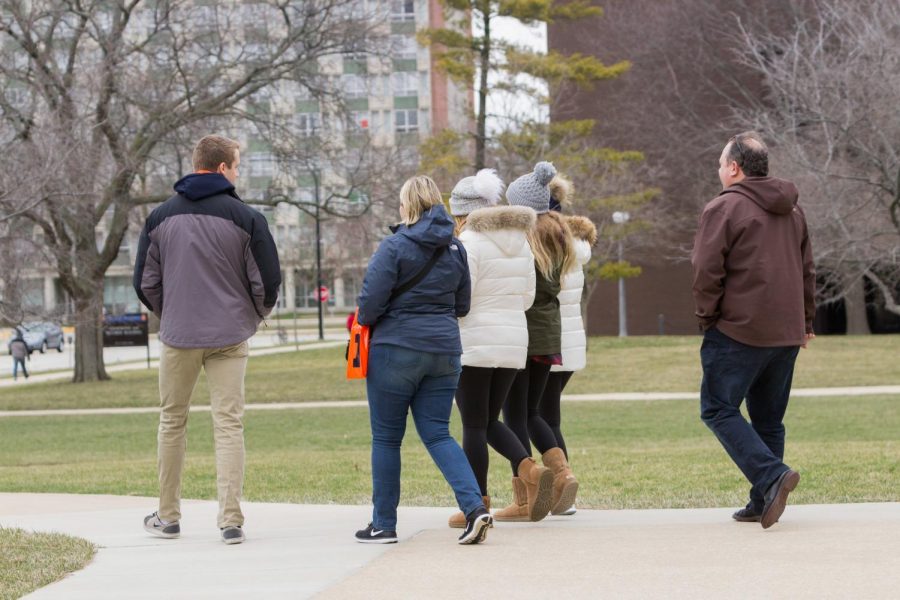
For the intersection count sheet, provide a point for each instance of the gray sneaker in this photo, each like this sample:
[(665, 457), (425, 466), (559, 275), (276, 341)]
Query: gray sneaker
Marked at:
[(158, 527), (232, 535)]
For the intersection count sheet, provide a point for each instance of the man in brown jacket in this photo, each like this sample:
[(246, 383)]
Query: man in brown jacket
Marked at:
[(754, 288)]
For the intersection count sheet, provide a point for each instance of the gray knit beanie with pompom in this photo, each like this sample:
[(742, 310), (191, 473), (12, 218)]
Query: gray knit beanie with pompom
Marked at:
[(532, 190)]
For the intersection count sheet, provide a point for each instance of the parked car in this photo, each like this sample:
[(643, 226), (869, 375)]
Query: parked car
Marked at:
[(44, 335)]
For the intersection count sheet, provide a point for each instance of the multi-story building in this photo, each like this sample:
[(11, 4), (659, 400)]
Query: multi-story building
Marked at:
[(397, 98)]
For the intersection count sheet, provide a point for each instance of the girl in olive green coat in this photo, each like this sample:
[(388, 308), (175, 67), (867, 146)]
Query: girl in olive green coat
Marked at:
[(554, 254)]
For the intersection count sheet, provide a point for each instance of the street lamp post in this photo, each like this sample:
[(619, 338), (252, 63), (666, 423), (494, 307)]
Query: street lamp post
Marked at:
[(621, 218), (318, 259)]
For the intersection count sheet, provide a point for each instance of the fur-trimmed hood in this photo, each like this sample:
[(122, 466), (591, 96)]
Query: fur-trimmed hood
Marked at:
[(562, 190), (505, 226), (582, 229), (501, 217)]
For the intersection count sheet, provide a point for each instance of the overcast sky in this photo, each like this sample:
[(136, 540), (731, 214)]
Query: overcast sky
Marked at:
[(532, 37)]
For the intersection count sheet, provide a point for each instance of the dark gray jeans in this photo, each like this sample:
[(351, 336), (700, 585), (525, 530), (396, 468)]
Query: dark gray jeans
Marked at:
[(733, 371)]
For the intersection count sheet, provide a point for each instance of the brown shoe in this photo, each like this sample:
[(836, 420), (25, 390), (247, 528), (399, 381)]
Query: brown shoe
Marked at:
[(518, 510), (565, 486), (538, 488), (776, 497), (458, 520)]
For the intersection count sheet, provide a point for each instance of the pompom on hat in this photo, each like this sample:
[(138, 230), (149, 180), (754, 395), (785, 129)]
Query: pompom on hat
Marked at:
[(532, 190), (479, 191)]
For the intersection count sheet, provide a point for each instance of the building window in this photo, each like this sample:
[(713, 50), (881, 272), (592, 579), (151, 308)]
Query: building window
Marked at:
[(307, 124), (32, 294), (17, 97), (403, 10), (354, 86), (359, 119), (406, 120), (255, 14), (261, 164), (405, 84), (404, 47), (118, 296)]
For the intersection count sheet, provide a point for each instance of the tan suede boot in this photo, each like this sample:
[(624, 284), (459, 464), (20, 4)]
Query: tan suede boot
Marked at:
[(518, 510), (458, 520), (565, 486), (538, 486)]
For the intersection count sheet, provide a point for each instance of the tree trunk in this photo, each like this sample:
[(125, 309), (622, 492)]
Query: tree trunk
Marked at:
[(855, 308), (481, 132), (89, 364)]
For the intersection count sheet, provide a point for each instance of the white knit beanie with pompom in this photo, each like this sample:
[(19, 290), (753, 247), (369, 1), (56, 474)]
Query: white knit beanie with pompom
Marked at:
[(479, 191)]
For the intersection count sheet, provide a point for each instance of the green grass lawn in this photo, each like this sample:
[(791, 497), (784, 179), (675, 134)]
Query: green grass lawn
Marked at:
[(29, 561), (626, 455), (669, 363)]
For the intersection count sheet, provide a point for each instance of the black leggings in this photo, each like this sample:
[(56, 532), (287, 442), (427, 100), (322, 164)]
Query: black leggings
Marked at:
[(520, 412), (550, 410), (480, 395)]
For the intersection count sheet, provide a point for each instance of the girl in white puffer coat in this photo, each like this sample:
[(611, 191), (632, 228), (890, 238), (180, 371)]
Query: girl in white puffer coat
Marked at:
[(495, 333), (574, 341)]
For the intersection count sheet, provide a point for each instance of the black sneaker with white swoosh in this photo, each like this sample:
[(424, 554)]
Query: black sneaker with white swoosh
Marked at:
[(372, 535)]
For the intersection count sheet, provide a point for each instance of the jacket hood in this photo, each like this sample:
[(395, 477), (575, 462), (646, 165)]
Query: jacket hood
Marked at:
[(502, 217), (505, 226), (434, 228), (198, 186), (582, 229), (769, 193)]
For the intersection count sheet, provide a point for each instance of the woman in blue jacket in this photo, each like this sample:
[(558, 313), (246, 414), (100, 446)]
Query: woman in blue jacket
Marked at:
[(414, 355)]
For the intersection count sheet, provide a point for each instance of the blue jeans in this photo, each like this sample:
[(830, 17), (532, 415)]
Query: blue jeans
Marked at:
[(733, 371), (398, 380), (16, 363)]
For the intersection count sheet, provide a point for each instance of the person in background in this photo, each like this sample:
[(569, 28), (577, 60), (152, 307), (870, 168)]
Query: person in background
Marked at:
[(574, 342), (19, 351), (554, 254), (495, 336), (754, 287), (415, 288)]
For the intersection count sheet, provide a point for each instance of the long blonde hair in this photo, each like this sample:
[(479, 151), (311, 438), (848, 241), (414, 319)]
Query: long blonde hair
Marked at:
[(417, 196), (460, 224), (552, 245)]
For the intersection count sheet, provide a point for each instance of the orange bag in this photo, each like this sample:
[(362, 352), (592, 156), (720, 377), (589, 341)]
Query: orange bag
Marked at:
[(358, 349)]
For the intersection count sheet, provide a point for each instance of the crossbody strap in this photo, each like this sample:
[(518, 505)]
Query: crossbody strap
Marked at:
[(418, 276)]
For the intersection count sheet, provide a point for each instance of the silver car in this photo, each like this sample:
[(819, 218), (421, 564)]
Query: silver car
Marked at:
[(42, 336)]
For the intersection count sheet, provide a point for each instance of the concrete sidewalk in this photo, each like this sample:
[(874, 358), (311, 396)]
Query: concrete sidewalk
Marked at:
[(300, 551)]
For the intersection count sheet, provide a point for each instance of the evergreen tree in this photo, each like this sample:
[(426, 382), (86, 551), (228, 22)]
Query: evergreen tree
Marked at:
[(463, 55)]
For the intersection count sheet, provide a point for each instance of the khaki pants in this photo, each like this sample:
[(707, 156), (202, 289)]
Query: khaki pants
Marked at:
[(179, 370)]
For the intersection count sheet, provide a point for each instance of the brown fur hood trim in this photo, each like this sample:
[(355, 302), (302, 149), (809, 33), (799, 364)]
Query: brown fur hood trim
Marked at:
[(562, 190), (497, 218), (582, 228)]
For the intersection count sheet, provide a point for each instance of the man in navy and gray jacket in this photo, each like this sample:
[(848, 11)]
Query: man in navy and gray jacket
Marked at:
[(207, 266)]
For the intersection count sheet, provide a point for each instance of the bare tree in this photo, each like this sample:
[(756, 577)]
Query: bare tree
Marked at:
[(832, 80), (112, 87)]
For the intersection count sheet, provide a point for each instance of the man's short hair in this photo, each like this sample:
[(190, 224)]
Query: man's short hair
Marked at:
[(750, 153), (212, 151)]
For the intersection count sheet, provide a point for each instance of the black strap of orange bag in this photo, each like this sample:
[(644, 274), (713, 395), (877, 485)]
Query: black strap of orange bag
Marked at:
[(418, 276)]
